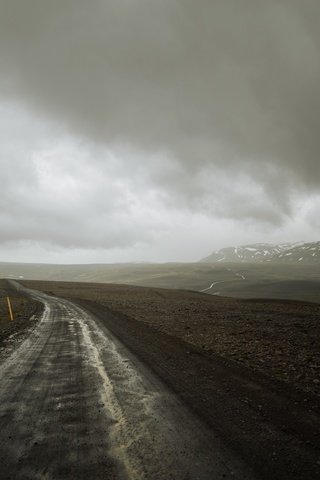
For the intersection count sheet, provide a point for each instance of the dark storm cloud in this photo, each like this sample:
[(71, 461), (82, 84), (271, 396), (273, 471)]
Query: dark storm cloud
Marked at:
[(228, 86)]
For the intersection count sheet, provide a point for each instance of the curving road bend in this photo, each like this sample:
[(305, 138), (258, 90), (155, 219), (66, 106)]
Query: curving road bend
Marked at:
[(75, 404)]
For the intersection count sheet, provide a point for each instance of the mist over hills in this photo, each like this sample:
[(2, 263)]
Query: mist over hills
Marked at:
[(285, 271), (283, 280), (306, 253)]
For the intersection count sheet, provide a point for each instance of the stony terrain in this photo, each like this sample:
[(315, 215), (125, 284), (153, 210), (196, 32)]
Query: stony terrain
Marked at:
[(25, 311), (278, 338), (247, 370)]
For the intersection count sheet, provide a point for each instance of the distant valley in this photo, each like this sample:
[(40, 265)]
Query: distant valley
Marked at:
[(283, 271)]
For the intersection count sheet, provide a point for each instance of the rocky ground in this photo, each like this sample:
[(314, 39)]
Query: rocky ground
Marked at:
[(280, 339), (247, 369), (25, 312)]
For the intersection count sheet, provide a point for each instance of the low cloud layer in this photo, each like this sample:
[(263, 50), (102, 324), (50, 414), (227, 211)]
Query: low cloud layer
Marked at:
[(141, 109)]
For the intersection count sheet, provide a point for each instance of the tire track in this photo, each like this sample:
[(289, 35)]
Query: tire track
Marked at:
[(74, 403)]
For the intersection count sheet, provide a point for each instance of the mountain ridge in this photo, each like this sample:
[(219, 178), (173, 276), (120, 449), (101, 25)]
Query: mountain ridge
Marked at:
[(299, 252)]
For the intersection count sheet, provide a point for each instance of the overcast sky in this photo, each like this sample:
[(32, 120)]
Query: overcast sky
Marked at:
[(157, 130)]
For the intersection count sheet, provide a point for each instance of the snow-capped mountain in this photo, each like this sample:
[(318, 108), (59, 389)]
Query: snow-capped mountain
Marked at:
[(304, 253), (265, 252)]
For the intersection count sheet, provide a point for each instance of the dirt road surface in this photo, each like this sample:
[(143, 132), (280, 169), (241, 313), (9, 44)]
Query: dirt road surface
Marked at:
[(76, 404)]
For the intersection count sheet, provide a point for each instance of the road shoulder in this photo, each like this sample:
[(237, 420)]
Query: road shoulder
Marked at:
[(13, 333)]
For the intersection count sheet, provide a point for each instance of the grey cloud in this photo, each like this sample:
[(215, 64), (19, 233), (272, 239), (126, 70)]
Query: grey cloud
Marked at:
[(227, 86), (53, 193)]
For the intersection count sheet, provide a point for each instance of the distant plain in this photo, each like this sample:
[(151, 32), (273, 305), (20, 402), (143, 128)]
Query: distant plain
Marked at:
[(240, 280)]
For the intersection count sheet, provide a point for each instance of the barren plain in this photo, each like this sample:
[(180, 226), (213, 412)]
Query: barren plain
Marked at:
[(248, 369), (278, 338)]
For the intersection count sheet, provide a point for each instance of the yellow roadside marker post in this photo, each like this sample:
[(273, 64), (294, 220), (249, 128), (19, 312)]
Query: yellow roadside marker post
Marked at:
[(10, 309)]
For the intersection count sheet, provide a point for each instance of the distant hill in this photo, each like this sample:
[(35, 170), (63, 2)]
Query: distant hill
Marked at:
[(294, 280), (307, 253)]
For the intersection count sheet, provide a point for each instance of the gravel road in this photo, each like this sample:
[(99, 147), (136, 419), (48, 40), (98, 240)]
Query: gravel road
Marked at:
[(75, 403)]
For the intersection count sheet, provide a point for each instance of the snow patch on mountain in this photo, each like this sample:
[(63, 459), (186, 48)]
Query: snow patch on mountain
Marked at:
[(264, 252)]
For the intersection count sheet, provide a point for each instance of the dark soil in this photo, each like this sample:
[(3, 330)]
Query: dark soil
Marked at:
[(280, 339), (250, 370), (273, 427), (26, 314)]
